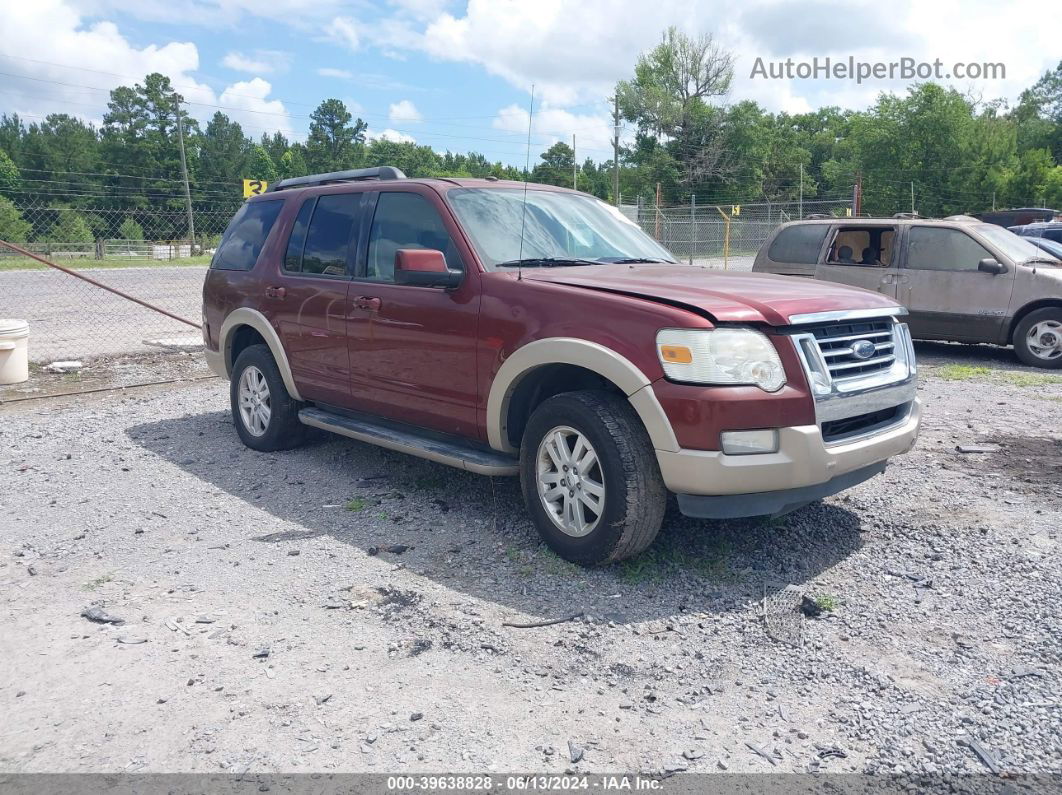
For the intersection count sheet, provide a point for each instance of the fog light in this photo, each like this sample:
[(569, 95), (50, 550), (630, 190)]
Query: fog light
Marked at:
[(749, 442)]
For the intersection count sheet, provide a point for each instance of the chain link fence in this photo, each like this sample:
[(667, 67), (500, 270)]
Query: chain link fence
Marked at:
[(725, 235), (135, 251)]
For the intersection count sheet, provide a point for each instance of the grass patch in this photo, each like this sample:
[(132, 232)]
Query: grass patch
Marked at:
[(356, 504), (970, 372), (84, 263), (674, 553), (99, 582), (827, 602)]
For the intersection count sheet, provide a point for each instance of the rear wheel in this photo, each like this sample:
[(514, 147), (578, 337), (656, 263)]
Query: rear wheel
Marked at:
[(265, 415), (590, 478), (1038, 338)]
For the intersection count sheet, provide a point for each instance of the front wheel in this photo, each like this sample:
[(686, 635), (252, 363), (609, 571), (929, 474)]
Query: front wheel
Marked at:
[(590, 478), (1038, 338)]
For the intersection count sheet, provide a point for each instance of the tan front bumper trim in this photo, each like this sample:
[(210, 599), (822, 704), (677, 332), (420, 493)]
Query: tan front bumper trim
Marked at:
[(803, 459)]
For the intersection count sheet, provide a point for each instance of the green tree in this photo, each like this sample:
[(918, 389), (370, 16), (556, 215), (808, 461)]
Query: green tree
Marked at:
[(333, 143), (293, 163), (223, 155), (130, 230), (670, 96), (72, 228), (556, 167), (9, 177), (260, 165), (13, 228)]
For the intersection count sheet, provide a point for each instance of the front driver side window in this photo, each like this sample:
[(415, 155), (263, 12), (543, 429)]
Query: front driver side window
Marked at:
[(406, 220), (934, 248)]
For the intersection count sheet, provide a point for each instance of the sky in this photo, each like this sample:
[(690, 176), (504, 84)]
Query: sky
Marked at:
[(458, 75)]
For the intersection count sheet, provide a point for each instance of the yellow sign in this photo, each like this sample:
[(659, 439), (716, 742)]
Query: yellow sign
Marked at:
[(735, 209), (848, 212), (254, 187)]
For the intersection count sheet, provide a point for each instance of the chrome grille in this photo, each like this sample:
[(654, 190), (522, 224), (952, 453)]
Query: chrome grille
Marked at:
[(836, 342)]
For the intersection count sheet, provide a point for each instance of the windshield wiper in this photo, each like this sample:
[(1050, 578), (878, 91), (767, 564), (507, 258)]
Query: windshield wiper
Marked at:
[(545, 262), (638, 260)]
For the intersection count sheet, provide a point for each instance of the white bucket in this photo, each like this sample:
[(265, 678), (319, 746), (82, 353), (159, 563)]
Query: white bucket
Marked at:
[(14, 358)]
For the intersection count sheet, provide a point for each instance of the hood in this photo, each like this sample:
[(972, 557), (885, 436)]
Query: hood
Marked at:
[(728, 296)]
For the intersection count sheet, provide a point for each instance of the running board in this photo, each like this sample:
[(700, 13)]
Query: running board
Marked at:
[(441, 448)]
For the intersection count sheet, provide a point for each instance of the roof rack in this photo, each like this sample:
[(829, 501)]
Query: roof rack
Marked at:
[(817, 216), (354, 175), (908, 216)]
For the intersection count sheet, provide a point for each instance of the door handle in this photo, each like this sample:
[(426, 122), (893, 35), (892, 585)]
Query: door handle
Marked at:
[(367, 302), (275, 292)]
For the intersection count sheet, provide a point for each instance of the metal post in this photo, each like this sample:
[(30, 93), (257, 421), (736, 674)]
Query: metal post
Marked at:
[(187, 191), (657, 211), (615, 150), (800, 204), (693, 224), (575, 172), (912, 197)]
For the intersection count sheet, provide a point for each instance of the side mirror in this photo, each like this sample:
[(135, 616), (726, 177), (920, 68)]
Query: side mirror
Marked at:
[(989, 265), (424, 267)]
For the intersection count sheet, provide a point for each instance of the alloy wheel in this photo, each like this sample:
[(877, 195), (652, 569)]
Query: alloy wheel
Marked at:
[(255, 409), (571, 483)]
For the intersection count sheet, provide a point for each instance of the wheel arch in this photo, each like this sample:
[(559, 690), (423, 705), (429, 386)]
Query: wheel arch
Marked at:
[(247, 318), (533, 369), (1032, 306)]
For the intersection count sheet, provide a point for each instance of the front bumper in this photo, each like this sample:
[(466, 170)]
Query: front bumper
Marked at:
[(803, 461)]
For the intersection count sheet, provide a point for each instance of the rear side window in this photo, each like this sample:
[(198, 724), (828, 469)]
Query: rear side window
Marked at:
[(798, 244), (328, 235), (297, 239), (246, 234)]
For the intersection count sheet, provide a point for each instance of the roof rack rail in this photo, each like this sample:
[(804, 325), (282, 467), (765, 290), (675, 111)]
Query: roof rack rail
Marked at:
[(817, 216), (354, 175), (909, 216)]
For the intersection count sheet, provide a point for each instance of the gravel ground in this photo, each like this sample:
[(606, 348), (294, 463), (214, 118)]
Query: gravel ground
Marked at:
[(268, 627)]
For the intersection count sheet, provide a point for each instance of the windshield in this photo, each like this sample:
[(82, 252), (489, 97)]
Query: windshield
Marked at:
[(1013, 247), (556, 226)]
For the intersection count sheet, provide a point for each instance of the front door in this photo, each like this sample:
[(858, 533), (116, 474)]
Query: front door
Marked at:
[(310, 296), (947, 296), (862, 257), (413, 350)]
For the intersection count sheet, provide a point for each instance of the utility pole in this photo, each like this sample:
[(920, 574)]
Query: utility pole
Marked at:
[(800, 204), (615, 149), (575, 168), (184, 176)]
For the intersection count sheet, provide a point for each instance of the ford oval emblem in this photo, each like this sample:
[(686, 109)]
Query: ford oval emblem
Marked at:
[(863, 349)]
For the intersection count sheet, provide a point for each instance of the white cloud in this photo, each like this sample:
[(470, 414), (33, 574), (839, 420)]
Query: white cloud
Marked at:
[(390, 135), (341, 74), (262, 62), (96, 58), (593, 132), (344, 31), (404, 111), (575, 52), (247, 102)]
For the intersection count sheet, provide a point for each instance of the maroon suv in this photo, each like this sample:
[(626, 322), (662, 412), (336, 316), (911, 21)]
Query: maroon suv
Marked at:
[(509, 329)]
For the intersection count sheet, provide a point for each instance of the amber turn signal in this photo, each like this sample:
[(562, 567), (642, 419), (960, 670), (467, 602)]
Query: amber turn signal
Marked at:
[(677, 354)]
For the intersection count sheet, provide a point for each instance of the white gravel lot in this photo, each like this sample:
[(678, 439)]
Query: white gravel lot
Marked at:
[(943, 577)]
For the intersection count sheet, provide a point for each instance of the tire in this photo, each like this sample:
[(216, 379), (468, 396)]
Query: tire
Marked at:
[(1033, 337), (280, 428), (632, 499)]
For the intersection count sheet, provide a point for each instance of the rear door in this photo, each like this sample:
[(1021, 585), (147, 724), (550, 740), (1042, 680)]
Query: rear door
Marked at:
[(862, 257), (947, 296), (309, 296)]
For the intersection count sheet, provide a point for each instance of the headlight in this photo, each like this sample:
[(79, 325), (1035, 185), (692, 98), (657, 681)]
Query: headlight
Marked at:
[(726, 356)]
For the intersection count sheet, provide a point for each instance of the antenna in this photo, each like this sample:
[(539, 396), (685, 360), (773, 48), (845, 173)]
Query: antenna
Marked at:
[(527, 175)]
